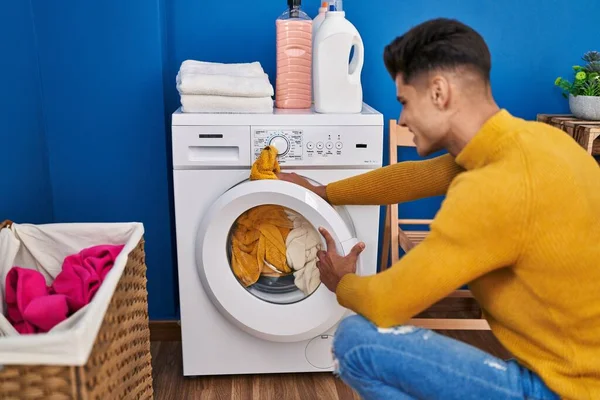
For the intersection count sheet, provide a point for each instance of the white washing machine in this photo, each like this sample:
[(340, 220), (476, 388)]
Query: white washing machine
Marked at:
[(270, 326)]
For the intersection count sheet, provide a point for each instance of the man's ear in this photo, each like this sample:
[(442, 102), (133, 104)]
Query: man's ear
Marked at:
[(440, 91)]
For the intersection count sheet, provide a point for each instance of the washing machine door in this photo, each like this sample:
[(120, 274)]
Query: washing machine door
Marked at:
[(273, 308)]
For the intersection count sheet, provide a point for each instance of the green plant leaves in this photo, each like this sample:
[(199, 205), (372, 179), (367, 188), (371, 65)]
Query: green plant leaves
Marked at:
[(591, 88), (587, 78)]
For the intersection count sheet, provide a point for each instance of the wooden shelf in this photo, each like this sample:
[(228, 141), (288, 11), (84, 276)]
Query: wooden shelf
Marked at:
[(586, 133)]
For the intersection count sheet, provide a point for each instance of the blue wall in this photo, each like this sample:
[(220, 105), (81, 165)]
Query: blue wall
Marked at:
[(93, 131), (25, 193), (101, 65)]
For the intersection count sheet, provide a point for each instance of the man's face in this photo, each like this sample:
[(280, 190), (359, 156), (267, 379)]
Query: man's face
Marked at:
[(423, 113)]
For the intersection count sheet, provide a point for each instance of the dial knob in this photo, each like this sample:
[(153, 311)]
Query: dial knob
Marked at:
[(280, 143)]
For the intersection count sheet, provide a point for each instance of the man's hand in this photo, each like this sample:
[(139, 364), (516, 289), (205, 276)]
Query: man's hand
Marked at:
[(298, 180), (332, 266)]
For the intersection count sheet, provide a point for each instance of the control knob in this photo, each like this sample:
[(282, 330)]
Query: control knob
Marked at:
[(281, 144)]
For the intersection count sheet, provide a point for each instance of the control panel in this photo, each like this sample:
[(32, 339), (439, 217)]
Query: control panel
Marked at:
[(321, 145), (288, 142)]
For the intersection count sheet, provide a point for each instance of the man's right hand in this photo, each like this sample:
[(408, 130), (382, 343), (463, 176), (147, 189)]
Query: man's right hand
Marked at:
[(298, 180)]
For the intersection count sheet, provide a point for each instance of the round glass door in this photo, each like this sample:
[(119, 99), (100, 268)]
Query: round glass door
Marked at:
[(256, 258)]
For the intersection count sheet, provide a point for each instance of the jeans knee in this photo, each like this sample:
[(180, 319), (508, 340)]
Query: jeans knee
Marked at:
[(355, 322), (351, 332)]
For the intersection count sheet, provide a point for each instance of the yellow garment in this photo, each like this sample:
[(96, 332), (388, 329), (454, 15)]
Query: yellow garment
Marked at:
[(266, 165), (258, 243), (259, 237), (521, 225)]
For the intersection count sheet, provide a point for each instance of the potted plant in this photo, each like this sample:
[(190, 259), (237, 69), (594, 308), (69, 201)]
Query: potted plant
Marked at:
[(584, 92)]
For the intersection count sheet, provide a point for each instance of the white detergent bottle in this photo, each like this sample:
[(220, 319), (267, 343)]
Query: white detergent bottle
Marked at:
[(315, 27), (337, 83), (319, 19)]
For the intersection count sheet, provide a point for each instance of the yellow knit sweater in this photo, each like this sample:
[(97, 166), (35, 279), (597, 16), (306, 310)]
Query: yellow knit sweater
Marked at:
[(521, 225)]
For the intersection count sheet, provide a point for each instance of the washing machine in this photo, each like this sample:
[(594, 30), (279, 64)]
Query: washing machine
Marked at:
[(270, 326)]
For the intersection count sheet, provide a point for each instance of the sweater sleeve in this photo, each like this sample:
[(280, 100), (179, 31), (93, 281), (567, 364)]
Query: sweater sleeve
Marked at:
[(477, 230), (397, 183)]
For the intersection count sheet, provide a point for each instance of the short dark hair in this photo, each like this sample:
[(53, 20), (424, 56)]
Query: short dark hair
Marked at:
[(438, 44)]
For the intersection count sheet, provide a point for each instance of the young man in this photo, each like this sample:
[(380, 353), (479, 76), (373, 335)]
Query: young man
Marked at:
[(520, 224)]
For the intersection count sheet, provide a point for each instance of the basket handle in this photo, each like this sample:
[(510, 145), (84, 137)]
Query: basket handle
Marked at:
[(5, 224)]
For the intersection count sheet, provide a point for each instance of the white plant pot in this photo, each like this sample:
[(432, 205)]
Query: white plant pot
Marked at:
[(585, 107)]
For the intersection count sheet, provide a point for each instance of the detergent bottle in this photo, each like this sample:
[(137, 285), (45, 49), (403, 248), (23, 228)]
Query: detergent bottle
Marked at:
[(293, 82), (316, 24), (337, 81), (315, 27)]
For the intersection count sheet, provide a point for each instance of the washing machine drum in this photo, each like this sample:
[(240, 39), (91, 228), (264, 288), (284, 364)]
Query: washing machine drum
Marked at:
[(268, 305)]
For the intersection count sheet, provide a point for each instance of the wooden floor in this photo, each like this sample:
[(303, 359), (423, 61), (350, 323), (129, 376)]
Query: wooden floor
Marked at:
[(169, 382)]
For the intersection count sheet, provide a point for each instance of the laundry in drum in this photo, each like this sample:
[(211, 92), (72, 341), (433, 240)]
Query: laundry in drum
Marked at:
[(271, 241), (303, 243), (258, 243)]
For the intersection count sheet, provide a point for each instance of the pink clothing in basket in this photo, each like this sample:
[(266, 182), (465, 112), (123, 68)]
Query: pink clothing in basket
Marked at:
[(33, 307)]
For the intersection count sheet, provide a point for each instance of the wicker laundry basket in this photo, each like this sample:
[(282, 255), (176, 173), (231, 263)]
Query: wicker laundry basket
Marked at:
[(119, 366)]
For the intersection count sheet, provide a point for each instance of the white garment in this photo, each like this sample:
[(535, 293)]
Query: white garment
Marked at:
[(224, 85), (303, 243), (213, 68), (191, 103)]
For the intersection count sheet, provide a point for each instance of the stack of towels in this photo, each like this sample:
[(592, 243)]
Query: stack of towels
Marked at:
[(208, 87)]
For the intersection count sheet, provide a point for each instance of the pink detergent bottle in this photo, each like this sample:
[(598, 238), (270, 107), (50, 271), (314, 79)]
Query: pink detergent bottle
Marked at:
[(294, 58)]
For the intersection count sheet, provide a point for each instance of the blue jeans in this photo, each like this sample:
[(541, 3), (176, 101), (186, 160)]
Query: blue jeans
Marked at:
[(413, 363)]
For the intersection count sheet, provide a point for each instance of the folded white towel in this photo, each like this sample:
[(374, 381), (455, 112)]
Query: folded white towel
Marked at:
[(226, 104), (213, 68), (221, 79), (224, 85)]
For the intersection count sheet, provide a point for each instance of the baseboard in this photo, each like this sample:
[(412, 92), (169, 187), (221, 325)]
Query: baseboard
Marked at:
[(449, 307), (165, 331)]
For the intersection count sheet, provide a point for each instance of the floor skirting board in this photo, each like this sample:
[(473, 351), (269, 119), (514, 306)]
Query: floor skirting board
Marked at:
[(165, 331), (170, 330)]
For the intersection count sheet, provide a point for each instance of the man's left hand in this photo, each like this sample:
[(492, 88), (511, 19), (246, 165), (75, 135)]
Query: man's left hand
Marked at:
[(332, 266)]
